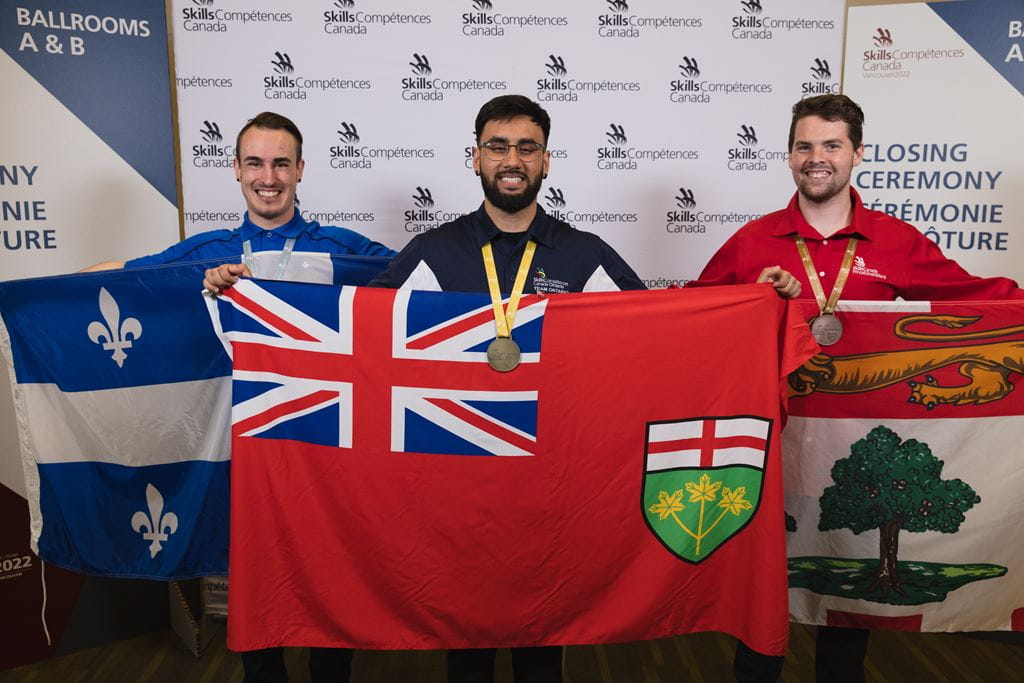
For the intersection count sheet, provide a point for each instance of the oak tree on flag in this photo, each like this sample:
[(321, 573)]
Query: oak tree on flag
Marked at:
[(892, 485)]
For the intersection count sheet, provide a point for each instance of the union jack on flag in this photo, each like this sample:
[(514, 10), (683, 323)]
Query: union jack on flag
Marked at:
[(373, 369), (459, 327)]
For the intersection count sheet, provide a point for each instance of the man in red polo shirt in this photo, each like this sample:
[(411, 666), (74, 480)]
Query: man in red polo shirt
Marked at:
[(837, 248), (892, 258)]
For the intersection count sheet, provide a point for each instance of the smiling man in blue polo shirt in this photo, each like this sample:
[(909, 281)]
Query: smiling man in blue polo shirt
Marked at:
[(274, 241)]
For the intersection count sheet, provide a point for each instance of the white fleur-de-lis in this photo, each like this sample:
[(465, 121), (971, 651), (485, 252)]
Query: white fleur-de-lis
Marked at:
[(117, 334), (157, 525)]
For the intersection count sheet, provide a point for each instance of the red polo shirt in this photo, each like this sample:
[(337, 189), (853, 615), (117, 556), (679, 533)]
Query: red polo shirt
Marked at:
[(893, 259)]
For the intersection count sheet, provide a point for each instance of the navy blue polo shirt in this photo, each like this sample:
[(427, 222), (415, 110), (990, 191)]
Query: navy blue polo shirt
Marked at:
[(448, 259), (310, 260)]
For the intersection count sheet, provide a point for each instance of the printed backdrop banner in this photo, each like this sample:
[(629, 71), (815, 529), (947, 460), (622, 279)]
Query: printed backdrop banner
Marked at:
[(669, 118), (87, 171), (955, 73), (903, 470), (434, 502)]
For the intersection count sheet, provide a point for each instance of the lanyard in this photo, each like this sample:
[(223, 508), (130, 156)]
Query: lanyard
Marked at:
[(826, 307), (504, 318), (282, 261)]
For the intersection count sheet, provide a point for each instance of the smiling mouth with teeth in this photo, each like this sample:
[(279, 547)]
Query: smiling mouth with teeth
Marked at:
[(818, 172), (512, 179)]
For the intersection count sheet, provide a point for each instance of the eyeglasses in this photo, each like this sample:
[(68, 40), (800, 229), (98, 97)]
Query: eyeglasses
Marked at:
[(495, 150)]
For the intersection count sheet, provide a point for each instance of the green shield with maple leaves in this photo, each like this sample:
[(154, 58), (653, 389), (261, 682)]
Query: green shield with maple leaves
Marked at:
[(694, 509)]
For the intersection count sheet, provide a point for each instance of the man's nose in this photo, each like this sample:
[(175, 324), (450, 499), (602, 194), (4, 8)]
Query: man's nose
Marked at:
[(509, 160)]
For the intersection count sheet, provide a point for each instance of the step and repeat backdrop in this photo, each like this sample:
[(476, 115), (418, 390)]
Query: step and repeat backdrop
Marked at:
[(669, 119)]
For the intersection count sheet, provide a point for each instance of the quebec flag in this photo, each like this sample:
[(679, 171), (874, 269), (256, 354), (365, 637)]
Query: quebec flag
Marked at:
[(123, 398)]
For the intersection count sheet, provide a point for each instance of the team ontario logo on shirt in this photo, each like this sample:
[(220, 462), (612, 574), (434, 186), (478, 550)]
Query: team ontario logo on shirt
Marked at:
[(547, 285)]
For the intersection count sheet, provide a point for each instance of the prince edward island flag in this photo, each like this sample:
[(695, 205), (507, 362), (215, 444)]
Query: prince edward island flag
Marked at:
[(391, 491)]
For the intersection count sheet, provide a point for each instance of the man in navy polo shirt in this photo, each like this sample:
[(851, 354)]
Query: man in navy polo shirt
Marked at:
[(273, 242), (511, 159)]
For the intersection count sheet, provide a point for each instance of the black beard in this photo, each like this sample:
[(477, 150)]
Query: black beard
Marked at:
[(511, 203)]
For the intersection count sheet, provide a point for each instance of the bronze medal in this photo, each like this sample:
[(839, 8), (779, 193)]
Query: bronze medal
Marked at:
[(826, 329), (503, 354)]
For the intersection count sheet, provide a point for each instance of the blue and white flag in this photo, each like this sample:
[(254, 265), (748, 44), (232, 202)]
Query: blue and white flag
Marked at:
[(123, 398)]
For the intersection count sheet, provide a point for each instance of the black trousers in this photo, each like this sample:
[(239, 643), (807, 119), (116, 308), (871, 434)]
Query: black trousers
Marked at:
[(839, 655), (750, 666), (326, 665), (529, 665)]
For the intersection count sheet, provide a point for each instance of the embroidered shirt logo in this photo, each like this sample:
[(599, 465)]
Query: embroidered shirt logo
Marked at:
[(546, 285), (861, 268)]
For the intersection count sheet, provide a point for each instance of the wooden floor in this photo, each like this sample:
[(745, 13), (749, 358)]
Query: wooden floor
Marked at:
[(161, 658)]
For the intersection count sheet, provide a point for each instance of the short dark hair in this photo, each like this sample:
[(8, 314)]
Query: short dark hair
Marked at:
[(505, 107), (830, 108), (272, 121)]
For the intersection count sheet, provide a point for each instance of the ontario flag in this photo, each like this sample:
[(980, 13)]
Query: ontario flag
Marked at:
[(391, 491), (903, 470)]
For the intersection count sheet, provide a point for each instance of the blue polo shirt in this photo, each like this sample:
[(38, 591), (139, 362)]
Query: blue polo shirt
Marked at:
[(310, 260), (448, 259)]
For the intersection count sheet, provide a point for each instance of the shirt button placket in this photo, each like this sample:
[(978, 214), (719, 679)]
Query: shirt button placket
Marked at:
[(510, 268)]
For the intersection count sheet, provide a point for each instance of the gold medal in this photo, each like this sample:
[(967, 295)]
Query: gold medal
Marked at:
[(503, 354)]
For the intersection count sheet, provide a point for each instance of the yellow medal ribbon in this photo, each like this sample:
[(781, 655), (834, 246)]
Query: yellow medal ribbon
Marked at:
[(505, 317), (826, 307)]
